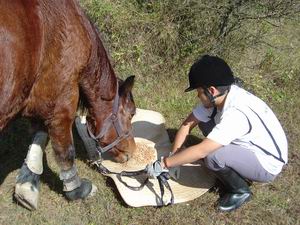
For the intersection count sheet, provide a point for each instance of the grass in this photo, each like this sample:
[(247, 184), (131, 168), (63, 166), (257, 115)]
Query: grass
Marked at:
[(273, 73)]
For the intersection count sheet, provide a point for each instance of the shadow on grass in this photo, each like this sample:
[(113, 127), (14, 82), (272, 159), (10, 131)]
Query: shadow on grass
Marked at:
[(50, 178), (14, 142)]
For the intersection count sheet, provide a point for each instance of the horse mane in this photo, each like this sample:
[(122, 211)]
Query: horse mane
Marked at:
[(83, 103), (100, 66), (105, 63)]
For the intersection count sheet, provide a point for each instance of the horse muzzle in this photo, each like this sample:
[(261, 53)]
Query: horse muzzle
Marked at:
[(124, 151)]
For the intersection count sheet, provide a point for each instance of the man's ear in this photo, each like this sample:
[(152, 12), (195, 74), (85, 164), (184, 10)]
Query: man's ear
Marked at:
[(127, 85), (213, 90)]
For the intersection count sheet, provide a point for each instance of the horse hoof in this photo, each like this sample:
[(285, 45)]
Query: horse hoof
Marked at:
[(27, 195), (86, 189)]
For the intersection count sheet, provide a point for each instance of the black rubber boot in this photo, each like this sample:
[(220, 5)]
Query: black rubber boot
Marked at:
[(82, 192), (237, 190)]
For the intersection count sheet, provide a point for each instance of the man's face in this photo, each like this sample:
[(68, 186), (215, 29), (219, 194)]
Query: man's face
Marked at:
[(203, 98)]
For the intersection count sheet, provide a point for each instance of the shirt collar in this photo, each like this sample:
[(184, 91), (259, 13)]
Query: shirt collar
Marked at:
[(229, 101)]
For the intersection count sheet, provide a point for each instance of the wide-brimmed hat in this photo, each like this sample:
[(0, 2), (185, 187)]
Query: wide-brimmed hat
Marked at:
[(149, 130)]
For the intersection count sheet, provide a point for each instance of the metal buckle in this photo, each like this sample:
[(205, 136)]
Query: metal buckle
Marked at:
[(113, 117)]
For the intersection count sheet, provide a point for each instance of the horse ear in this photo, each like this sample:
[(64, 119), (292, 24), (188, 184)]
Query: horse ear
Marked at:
[(127, 85)]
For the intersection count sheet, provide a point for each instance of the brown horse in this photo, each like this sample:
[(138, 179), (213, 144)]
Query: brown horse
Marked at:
[(51, 57)]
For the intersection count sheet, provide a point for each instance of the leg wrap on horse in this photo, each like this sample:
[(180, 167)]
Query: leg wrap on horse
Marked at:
[(34, 158), (70, 179), (74, 187), (27, 183)]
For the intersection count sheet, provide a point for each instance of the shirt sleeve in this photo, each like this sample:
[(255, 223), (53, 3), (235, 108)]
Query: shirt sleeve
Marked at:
[(202, 114), (233, 125)]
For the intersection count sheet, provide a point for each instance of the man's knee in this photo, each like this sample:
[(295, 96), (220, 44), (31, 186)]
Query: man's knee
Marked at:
[(211, 162)]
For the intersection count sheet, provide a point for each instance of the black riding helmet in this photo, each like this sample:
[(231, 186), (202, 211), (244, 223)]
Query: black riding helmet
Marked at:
[(209, 71)]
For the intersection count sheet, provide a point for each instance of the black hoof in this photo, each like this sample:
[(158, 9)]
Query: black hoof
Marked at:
[(82, 192)]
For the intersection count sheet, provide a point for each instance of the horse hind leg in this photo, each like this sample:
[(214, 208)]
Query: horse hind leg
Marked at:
[(60, 132), (27, 184)]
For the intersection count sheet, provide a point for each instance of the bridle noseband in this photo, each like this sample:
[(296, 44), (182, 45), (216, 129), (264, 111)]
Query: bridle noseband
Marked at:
[(111, 120)]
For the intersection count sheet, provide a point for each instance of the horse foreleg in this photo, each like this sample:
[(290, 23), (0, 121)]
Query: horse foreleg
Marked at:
[(27, 185), (74, 187)]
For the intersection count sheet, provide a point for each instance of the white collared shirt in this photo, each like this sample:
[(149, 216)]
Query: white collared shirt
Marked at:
[(247, 121)]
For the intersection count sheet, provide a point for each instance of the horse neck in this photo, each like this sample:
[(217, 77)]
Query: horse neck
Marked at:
[(98, 83)]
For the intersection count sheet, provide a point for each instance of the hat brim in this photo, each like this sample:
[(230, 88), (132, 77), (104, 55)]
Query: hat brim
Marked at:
[(194, 180), (189, 89)]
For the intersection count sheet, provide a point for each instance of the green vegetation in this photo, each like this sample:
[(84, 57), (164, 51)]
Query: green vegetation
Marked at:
[(158, 41)]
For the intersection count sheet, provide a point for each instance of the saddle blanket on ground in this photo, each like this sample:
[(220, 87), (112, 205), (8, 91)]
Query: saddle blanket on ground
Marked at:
[(153, 142)]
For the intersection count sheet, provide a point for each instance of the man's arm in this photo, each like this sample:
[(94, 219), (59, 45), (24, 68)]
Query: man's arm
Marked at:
[(188, 124), (192, 154)]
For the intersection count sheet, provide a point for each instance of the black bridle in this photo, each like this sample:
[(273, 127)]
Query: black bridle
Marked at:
[(113, 120)]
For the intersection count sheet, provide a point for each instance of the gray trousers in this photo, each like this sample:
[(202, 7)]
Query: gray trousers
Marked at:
[(241, 160)]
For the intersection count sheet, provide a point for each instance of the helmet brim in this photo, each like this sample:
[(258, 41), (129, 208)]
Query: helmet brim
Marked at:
[(189, 89)]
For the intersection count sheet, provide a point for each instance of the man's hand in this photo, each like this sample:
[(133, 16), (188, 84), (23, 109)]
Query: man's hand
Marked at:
[(155, 169)]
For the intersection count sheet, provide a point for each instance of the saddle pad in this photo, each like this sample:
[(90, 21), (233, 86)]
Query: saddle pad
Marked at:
[(149, 130)]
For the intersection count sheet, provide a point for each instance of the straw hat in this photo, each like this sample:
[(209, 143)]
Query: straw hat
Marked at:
[(149, 131)]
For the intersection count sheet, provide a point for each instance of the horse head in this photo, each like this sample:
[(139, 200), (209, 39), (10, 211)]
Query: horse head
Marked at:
[(123, 151), (115, 134)]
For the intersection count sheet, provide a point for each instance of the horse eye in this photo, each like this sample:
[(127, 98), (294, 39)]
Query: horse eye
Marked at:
[(132, 113)]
